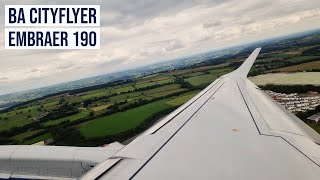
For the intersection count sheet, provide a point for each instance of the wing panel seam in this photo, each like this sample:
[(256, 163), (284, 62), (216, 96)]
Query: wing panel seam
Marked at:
[(186, 107), (270, 135), (174, 133)]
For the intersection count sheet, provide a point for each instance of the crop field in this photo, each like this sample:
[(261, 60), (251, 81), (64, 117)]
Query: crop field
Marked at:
[(142, 85), (120, 122), (106, 91), (165, 93), (303, 58), (95, 94), (207, 78), (182, 99), (101, 107), (21, 136), (17, 118), (156, 92), (163, 88), (199, 69), (82, 114), (315, 65), (202, 80), (154, 77), (38, 139), (299, 78)]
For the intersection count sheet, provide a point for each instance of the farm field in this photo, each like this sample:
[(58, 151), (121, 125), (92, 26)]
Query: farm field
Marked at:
[(38, 139), (182, 99), (303, 58), (82, 114), (101, 107), (20, 137), (207, 78), (120, 122), (299, 78), (315, 65)]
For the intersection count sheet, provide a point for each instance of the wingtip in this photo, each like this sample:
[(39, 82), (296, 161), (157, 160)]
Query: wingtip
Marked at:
[(244, 69)]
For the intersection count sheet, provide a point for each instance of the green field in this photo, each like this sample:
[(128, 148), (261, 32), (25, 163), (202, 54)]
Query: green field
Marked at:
[(82, 114), (303, 58), (21, 136), (38, 139), (146, 84), (17, 118), (207, 78), (309, 66), (101, 107), (182, 99), (120, 122), (299, 78)]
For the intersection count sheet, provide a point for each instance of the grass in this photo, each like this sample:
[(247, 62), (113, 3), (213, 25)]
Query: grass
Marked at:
[(127, 96), (142, 85), (182, 99), (207, 78), (38, 139), (96, 93), (163, 88), (302, 58), (82, 114), (154, 77), (164, 93), (99, 108), (23, 116), (21, 136), (122, 121), (199, 69), (106, 91), (299, 78), (282, 55), (122, 88), (16, 120), (156, 92)]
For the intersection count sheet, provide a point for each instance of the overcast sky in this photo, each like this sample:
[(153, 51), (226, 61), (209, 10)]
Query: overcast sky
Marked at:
[(139, 32)]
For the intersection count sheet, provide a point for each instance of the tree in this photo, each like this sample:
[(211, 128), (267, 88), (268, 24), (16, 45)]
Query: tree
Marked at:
[(62, 100)]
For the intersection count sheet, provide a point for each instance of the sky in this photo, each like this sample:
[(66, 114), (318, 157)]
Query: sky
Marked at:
[(140, 32)]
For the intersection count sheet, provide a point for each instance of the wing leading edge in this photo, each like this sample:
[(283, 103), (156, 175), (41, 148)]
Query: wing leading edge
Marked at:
[(230, 130)]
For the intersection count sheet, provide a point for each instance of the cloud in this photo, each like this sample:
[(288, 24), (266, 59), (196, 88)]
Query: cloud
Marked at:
[(136, 33), (174, 45), (35, 70), (65, 66), (212, 23), (3, 78)]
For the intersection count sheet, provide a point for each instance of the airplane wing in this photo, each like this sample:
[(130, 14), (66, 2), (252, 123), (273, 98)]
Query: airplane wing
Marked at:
[(230, 130)]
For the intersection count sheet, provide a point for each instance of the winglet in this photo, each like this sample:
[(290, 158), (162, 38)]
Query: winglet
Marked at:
[(244, 69)]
